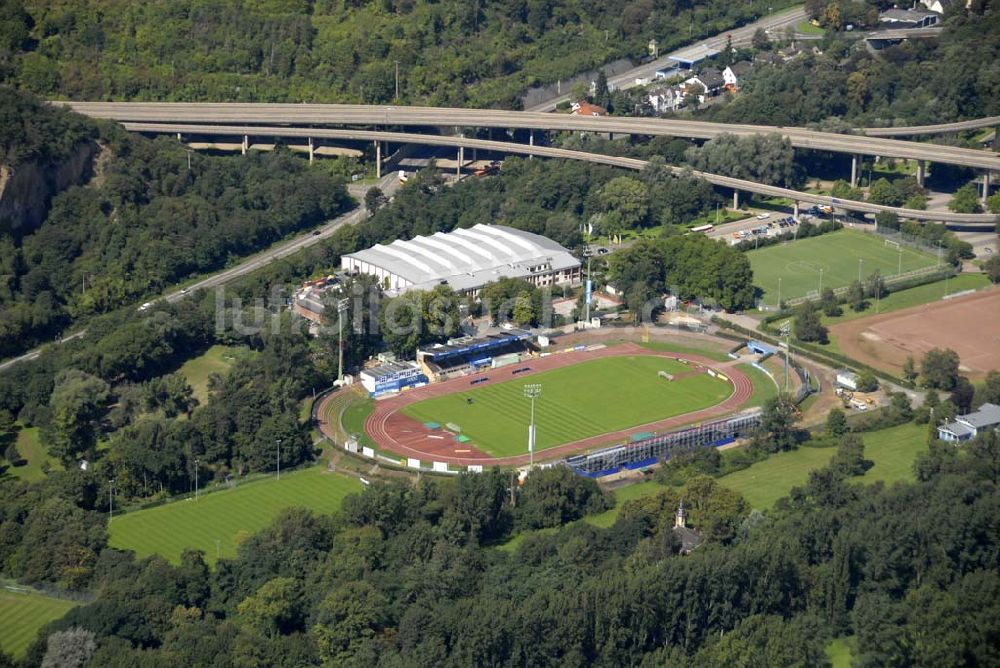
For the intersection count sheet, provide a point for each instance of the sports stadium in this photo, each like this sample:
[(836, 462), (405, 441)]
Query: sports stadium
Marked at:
[(598, 407)]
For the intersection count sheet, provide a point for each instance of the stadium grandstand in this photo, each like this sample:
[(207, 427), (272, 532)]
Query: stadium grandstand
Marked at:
[(651, 449), (466, 259), (391, 377), (470, 354)]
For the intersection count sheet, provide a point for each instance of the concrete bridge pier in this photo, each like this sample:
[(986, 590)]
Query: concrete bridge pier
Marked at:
[(311, 150), (921, 172), (854, 171), (986, 186), (179, 138), (245, 145), (736, 198), (461, 159), (378, 159), (531, 142), (795, 210)]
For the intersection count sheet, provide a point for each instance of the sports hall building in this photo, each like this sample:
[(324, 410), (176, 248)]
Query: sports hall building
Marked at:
[(466, 260)]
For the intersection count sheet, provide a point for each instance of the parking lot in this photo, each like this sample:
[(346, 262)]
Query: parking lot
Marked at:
[(763, 223)]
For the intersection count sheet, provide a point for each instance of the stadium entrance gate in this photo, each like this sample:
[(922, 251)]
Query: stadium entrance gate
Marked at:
[(649, 451)]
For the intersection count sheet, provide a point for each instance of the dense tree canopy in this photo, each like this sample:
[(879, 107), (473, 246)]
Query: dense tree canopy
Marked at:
[(153, 215), (690, 266), (448, 53), (913, 83)]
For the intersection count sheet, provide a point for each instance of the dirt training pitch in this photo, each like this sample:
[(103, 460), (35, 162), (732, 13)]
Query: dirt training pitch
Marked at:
[(395, 432), (968, 325)]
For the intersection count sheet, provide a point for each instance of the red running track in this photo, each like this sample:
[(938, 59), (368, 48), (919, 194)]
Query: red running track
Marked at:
[(394, 432)]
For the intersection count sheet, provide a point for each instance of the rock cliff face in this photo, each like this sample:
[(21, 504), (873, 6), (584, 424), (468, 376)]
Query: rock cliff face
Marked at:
[(27, 190)]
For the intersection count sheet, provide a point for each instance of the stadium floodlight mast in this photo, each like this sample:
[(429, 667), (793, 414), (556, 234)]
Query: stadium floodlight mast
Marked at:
[(341, 309), (587, 287), (786, 329), (532, 391)]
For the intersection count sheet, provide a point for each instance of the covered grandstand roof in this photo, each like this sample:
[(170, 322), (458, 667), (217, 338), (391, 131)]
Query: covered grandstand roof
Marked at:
[(472, 345), (468, 258)]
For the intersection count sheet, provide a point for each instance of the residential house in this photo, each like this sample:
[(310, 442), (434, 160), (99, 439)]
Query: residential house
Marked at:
[(939, 6), (966, 427), (711, 79), (734, 73), (907, 18), (708, 83), (584, 108), (669, 98)]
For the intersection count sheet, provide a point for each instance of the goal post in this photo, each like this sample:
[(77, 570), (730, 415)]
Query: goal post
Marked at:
[(892, 244)]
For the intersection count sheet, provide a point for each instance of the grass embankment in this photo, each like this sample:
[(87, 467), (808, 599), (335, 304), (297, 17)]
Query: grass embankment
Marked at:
[(921, 294), (574, 403), (217, 522), (23, 613), (892, 450), (690, 350)]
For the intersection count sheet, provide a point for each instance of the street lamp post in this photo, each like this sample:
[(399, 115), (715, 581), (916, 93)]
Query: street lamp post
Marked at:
[(779, 293), (532, 392), (341, 309), (786, 330)]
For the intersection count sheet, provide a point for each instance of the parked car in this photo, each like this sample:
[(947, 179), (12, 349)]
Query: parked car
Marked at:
[(763, 216)]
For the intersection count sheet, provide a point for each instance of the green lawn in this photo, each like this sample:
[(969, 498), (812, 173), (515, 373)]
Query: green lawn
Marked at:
[(34, 453), (216, 359), (354, 419), (763, 387), (892, 450), (228, 515), (767, 481), (586, 399), (839, 652), (806, 28), (22, 614), (798, 263)]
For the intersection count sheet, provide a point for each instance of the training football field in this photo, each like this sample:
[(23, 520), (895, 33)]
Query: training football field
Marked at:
[(839, 254), (218, 521), (22, 613), (587, 399)]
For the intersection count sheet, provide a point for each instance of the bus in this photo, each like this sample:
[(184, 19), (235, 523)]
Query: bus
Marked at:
[(703, 228)]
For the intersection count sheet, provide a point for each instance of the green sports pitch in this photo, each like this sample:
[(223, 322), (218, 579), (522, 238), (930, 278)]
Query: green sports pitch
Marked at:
[(22, 613), (587, 399), (217, 522), (839, 254)]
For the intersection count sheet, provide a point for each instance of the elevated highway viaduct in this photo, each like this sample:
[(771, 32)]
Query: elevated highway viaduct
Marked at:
[(300, 115), (737, 185)]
